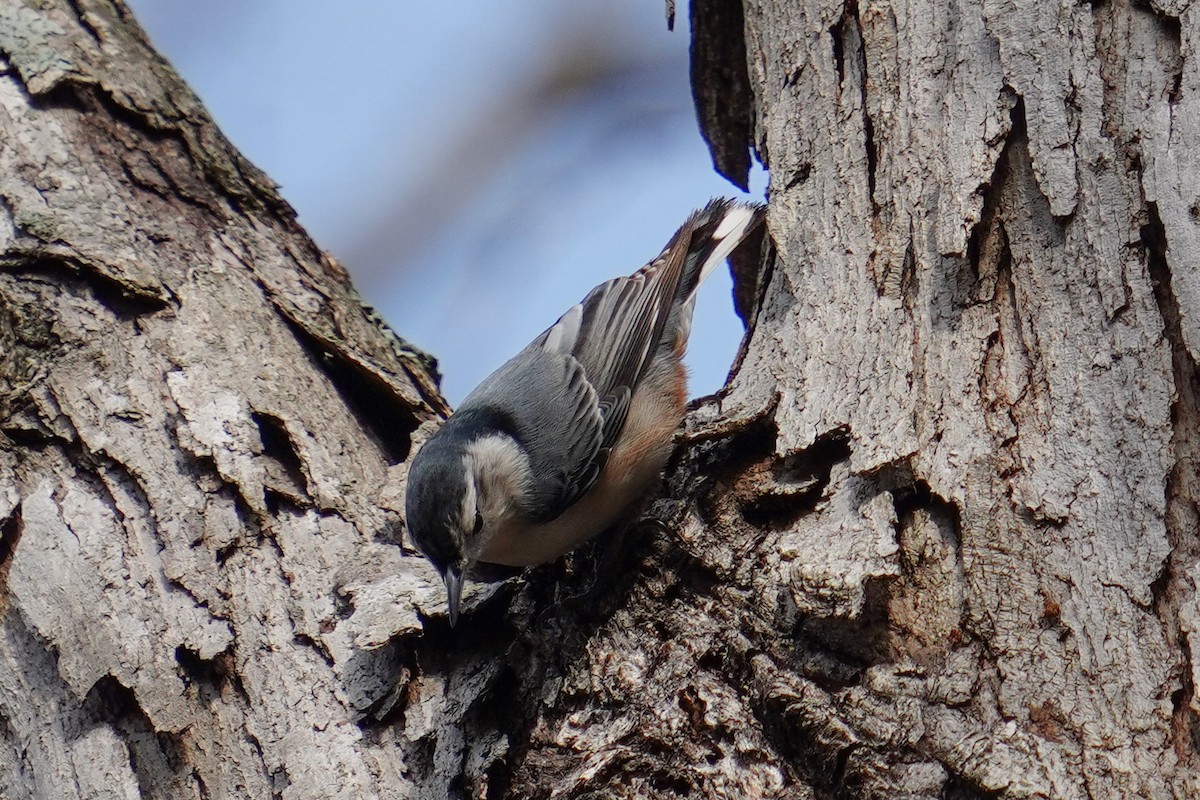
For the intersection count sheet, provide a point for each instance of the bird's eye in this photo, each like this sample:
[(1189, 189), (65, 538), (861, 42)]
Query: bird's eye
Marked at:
[(478, 522)]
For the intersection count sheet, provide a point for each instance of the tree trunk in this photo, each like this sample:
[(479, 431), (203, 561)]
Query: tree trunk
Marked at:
[(936, 539)]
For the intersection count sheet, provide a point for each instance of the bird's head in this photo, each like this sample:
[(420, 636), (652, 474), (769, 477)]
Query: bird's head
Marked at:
[(442, 511)]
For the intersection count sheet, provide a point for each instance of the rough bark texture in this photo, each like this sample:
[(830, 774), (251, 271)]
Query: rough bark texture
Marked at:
[(196, 418), (937, 539)]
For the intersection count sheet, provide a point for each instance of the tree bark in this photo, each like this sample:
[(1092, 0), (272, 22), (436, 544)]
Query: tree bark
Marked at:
[(197, 417), (937, 538)]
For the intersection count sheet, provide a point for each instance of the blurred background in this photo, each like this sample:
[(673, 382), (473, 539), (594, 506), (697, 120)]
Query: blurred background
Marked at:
[(478, 167)]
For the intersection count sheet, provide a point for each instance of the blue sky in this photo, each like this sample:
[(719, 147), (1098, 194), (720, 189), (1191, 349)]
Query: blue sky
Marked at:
[(478, 167)]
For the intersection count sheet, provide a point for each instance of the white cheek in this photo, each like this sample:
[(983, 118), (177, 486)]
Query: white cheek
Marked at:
[(467, 511), (501, 475)]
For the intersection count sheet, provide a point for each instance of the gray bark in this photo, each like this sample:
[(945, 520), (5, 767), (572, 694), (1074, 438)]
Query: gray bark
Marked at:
[(936, 539), (198, 418)]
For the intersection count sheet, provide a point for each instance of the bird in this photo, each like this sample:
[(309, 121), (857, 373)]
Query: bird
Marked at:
[(568, 437)]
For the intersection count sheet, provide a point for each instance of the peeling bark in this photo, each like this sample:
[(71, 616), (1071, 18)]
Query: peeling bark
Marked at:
[(197, 415), (937, 538)]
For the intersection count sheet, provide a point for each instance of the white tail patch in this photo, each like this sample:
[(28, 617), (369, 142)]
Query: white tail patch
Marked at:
[(728, 235)]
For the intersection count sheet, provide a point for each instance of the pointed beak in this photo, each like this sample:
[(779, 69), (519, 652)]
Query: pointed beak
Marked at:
[(453, 580)]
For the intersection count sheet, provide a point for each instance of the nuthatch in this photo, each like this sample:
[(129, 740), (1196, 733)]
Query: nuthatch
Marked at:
[(562, 441)]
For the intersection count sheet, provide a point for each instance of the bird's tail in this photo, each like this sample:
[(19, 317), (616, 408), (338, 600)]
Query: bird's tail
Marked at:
[(712, 234)]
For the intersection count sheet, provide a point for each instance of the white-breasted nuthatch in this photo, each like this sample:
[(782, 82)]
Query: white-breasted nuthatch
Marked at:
[(563, 440)]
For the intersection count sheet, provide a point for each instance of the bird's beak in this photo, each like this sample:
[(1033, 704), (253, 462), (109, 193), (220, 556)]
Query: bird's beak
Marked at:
[(452, 577)]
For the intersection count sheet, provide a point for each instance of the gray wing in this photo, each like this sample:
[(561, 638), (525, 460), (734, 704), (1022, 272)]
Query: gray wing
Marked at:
[(550, 407), (567, 394), (615, 331)]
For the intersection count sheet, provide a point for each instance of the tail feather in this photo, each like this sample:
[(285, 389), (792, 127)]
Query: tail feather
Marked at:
[(739, 219), (715, 232)]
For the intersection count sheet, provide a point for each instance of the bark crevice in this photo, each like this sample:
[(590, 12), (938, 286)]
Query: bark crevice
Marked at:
[(1174, 589)]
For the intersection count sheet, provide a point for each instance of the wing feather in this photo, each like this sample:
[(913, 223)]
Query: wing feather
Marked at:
[(569, 392), (550, 406)]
